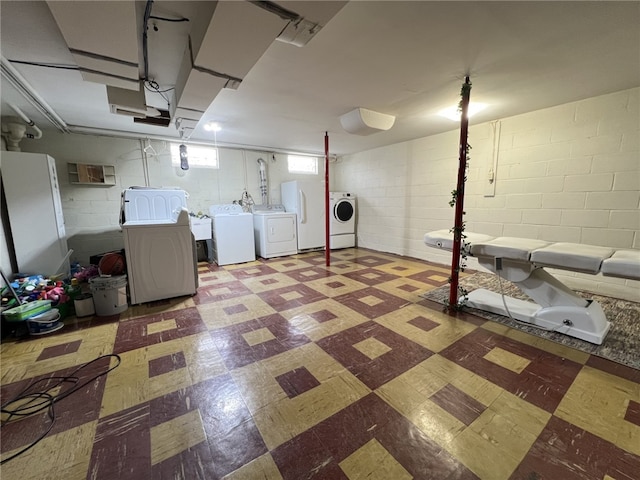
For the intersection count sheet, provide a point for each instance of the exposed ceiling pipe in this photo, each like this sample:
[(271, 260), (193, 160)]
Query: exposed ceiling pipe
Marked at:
[(27, 91), (29, 122), (231, 146), (262, 169)]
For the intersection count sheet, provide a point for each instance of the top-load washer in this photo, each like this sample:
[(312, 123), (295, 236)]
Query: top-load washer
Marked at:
[(275, 231), (158, 244), (232, 234), (342, 225)]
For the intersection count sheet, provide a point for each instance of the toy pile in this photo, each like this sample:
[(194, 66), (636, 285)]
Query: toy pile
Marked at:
[(39, 302)]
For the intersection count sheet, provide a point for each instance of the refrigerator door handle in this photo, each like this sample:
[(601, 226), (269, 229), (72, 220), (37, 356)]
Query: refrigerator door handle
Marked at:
[(303, 207)]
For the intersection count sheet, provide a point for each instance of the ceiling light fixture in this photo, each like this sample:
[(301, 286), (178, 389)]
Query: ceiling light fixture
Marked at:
[(212, 127), (453, 113), (362, 121)]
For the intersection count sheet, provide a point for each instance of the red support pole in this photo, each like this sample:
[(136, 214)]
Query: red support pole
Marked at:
[(327, 238), (459, 212)]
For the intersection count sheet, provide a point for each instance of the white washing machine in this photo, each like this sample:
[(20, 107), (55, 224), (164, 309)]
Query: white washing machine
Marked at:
[(232, 234), (275, 231), (342, 225), (158, 244)]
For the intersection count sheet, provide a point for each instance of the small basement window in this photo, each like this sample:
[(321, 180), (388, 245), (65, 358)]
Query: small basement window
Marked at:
[(199, 157), (302, 164)]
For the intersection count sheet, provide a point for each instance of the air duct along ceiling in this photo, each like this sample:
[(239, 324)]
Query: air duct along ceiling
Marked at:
[(103, 39), (238, 35)]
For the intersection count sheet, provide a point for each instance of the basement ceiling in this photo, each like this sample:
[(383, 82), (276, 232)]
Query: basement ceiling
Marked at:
[(227, 65)]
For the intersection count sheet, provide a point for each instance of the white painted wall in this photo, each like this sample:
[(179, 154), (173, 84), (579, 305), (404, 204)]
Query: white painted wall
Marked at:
[(92, 212), (569, 173)]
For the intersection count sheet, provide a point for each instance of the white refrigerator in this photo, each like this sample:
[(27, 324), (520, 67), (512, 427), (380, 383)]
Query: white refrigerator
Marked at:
[(35, 212), (305, 198)]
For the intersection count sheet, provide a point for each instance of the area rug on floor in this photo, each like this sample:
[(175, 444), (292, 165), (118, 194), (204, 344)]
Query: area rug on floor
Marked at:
[(622, 343)]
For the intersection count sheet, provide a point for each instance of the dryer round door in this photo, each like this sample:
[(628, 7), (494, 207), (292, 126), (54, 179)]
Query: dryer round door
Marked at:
[(343, 211)]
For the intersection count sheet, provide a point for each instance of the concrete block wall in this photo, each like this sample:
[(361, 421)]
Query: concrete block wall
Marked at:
[(568, 173)]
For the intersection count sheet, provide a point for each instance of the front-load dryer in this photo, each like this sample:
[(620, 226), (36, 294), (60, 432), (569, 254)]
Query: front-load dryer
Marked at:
[(275, 231), (342, 225)]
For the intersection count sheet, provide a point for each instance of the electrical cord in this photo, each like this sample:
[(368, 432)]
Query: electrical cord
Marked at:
[(522, 322), (32, 401)]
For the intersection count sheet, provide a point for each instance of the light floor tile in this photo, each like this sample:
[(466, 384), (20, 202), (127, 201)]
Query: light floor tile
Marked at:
[(161, 326), (176, 435), (538, 342), (372, 348), (507, 360), (449, 330), (255, 337), (65, 455), (302, 319), (597, 402), (262, 468), (215, 315), (373, 462)]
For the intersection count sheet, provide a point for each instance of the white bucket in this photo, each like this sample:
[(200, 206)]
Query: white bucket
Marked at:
[(83, 305), (109, 294)]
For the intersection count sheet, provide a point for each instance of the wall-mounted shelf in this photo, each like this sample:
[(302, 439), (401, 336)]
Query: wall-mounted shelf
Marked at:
[(98, 175)]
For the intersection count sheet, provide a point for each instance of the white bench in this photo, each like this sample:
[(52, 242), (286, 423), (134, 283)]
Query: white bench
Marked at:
[(522, 261)]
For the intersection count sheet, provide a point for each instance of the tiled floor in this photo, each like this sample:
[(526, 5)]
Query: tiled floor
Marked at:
[(287, 369)]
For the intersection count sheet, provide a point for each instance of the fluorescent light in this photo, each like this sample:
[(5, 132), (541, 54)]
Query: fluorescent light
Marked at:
[(212, 127), (452, 113)]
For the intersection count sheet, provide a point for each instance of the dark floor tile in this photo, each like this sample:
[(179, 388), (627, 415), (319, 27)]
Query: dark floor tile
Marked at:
[(289, 297), (252, 271), (614, 368), (323, 316), (237, 352), (371, 302), (316, 462), (134, 333), (371, 260), (430, 277), (336, 438), (309, 274), (459, 404), (408, 288), (564, 451), (232, 310), (58, 350), (370, 276), (78, 401), (543, 382), (166, 364), (217, 292), (633, 413), (193, 463), (297, 381), (423, 323), (232, 437), (122, 446), (402, 355)]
